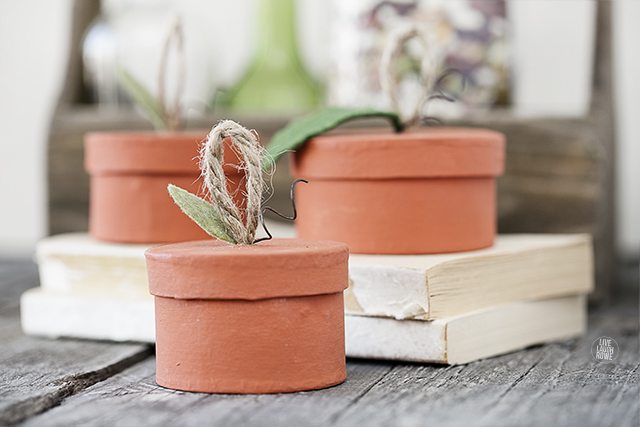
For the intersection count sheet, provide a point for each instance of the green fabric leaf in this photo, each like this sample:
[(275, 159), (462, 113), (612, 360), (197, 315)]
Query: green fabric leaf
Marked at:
[(299, 131), (143, 98), (201, 212)]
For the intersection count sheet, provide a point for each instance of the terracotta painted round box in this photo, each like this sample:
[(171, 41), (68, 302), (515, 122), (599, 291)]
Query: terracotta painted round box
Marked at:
[(130, 172), (262, 318), (430, 190)]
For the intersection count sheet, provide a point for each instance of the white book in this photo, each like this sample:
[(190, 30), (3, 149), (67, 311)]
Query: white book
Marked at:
[(75, 262), (518, 267), (93, 289), (89, 289), (99, 315), (465, 338), (459, 339)]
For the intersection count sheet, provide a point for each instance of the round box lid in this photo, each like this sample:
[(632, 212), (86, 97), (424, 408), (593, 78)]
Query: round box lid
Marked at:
[(212, 269), (377, 153), (147, 152)]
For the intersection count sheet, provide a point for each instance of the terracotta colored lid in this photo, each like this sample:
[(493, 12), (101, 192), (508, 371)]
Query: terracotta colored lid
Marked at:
[(147, 152), (212, 269), (378, 153)]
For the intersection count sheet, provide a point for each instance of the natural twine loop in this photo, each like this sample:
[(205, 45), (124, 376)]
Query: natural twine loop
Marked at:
[(245, 143), (390, 82), (172, 115)]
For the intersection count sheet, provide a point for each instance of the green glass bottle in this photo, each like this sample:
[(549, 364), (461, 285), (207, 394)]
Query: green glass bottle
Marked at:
[(276, 81)]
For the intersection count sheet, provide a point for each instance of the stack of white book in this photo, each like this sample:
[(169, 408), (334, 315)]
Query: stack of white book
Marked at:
[(447, 308), (89, 289), (459, 307)]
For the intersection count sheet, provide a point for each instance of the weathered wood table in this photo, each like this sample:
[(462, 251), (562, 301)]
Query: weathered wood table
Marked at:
[(72, 382)]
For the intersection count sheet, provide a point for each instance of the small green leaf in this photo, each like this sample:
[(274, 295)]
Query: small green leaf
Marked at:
[(201, 212), (299, 131), (142, 98)]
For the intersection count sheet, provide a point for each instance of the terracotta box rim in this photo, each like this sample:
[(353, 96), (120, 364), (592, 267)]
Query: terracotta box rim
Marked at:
[(370, 154), (217, 270)]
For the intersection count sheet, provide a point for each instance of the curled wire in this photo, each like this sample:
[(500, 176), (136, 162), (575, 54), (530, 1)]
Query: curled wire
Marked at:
[(440, 94), (292, 196), (431, 82)]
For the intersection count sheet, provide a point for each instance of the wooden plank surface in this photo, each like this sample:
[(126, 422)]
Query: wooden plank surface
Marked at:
[(37, 374), (100, 384), (557, 176), (556, 384)]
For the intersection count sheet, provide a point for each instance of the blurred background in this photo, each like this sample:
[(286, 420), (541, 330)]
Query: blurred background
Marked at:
[(558, 77)]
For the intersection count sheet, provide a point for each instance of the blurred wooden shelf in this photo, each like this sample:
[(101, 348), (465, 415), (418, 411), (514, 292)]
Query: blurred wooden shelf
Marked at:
[(556, 177), (559, 171)]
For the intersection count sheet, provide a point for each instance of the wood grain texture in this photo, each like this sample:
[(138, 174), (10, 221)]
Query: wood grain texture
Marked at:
[(113, 403), (61, 383), (37, 374), (557, 384)]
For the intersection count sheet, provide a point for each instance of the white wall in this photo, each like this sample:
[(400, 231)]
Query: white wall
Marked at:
[(552, 50), (33, 50), (552, 59), (627, 63)]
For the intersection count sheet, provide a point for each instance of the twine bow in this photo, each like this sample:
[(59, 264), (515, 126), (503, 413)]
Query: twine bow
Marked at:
[(246, 144), (427, 73), (220, 217)]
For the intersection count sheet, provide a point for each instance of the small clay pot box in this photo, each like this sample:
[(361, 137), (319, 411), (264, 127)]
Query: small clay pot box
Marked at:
[(130, 172), (262, 318), (426, 191)]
